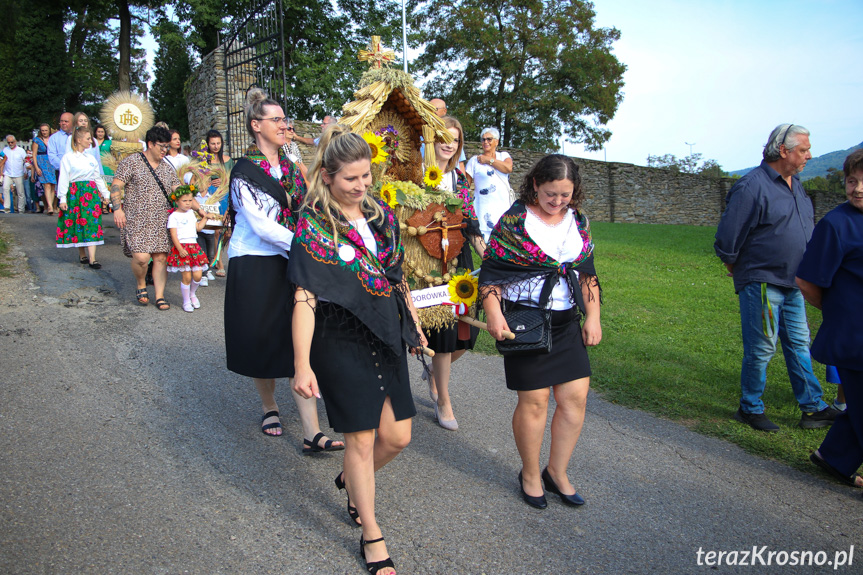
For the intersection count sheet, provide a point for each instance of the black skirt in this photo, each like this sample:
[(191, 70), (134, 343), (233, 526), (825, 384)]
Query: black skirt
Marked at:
[(567, 360), (258, 300), (355, 377)]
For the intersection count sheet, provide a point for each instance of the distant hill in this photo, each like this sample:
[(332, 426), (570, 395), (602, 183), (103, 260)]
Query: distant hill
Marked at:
[(816, 166)]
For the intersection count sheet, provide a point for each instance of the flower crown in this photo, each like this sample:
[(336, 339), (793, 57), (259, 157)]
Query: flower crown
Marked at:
[(182, 191)]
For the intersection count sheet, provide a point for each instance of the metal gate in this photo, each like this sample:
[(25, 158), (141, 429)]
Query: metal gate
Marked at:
[(254, 58)]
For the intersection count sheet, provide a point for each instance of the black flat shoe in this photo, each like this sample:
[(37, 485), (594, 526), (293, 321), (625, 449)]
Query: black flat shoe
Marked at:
[(538, 502), (352, 511), (377, 565), (575, 499), (95, 265)]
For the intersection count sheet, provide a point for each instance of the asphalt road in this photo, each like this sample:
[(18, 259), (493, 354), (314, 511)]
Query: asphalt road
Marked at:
[(127, 447)]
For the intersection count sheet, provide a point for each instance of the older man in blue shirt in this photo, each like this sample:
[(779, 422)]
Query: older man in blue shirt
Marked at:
[(761, 239), (57, 141)]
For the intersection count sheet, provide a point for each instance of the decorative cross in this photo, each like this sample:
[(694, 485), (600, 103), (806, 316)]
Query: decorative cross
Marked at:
[(376, 55)]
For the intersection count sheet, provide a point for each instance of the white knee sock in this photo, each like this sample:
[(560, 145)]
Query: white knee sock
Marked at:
[(184, 289), (194, 287)]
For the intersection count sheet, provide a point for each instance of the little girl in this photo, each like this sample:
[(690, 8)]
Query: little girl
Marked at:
[(186, 256)]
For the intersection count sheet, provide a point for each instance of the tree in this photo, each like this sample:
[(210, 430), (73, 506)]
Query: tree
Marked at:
[(532, 68), (173, 66), (687, 165)]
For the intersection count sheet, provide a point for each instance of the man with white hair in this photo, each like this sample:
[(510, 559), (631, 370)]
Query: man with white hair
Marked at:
[(328, 121), (12, 167), (761, 239)]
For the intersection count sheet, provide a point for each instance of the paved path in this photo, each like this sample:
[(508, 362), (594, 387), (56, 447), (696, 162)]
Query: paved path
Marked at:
[(127, 447)]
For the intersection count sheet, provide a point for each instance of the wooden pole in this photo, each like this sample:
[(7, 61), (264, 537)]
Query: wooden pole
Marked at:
[(482, 325)]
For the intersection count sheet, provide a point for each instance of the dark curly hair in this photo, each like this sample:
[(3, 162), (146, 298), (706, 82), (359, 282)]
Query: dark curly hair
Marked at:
[(550, 169)]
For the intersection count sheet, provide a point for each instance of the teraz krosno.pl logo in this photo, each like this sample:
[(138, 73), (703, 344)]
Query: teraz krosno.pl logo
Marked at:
[(758, 556)]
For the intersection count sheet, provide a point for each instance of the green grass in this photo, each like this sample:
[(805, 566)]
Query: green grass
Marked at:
[(671, 339), (5, 271)]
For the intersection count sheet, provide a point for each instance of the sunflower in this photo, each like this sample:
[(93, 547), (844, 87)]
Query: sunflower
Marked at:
[(463, 289), (434, 175), (388, 194), (376, 143)]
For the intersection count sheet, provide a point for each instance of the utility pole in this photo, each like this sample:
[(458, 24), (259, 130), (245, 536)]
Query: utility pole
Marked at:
[(690, 147)]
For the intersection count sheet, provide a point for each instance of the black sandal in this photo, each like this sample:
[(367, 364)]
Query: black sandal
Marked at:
[(377, 565), (84, 259), (313, 446), (141, 295), (276, 425), (851, 480), (162, 305), (352, 511), (95, 265)]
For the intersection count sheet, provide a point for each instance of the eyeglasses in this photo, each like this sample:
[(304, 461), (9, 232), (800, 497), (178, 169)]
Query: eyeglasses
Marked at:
[(163, 147), (277, 120), (10, 141), (290, 128), (488, 139)]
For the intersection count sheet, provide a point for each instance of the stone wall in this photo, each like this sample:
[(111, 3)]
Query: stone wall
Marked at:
[(205, 97)]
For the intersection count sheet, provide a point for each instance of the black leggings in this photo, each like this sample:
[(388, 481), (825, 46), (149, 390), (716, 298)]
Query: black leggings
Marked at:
[(208, 244)]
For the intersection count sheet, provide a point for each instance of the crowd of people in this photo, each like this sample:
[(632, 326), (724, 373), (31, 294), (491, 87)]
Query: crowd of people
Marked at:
[(296, 308)]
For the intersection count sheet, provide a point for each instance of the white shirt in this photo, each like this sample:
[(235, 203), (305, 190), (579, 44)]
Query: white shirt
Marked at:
[(562, 242), (185, 223), (14, 166), (178, 161), (255, 232), (94, 150), (80, 167), (362, 226), (491, 192)]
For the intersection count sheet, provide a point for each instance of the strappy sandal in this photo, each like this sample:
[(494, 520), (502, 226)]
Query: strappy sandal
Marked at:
[(84, 259), (162, 305), (352, 511), (314, 446), (377, 565), (267, 427), (142, 296)]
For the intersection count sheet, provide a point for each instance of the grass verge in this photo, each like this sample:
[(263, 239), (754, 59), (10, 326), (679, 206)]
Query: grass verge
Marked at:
[(5, 269), (671, 339)]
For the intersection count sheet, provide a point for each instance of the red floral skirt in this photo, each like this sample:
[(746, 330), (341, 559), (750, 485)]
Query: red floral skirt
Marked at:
[(195, 261)]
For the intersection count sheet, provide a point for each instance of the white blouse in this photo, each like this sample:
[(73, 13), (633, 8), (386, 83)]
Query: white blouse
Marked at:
[(255, 232), (562, 242), (80, 167)]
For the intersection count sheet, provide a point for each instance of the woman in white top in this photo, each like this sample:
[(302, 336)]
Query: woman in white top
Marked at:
[(489, 173), (174, 156), (292, 149), (81, 119), (79, 188), (541, 255), (266, 189)]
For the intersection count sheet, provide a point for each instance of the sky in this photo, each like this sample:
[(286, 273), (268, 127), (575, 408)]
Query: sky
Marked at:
[(722, 74)]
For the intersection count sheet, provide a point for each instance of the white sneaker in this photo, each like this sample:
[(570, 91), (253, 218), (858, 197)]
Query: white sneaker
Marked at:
[(188, 307), (204, 282), (210, 275), (196, 303)]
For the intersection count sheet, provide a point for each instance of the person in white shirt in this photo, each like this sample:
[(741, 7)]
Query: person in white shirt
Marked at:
[(78, 189), (186, 255), (258, 294), (174, 156), (12, 165), (83, 120), (489, 172), (57, 141)]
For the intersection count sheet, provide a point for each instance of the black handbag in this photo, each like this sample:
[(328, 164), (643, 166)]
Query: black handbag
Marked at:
[(531, 325)]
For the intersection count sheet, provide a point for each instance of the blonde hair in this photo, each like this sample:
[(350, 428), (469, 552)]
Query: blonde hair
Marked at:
[(78, 133), (256, 100), (338, 146), (450, 122), (79, 115)]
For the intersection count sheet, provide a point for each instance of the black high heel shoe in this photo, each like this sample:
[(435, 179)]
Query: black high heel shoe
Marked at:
[(377, 565), (538, 502), (575, 499), (352, 511)]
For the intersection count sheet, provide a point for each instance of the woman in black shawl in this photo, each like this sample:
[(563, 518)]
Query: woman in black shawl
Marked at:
[(265, 191), (543, 241), (353, 318)]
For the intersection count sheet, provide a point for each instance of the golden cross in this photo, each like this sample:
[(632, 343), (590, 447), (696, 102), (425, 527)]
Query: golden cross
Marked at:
[(376, 55)]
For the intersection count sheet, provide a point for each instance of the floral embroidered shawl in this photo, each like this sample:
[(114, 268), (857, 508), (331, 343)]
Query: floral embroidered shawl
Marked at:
[(512, 256), (345, 273), (289, 191)]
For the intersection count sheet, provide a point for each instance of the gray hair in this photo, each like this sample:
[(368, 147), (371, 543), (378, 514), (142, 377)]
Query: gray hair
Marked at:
[(493, 131), (783, 134), (289, 121)]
